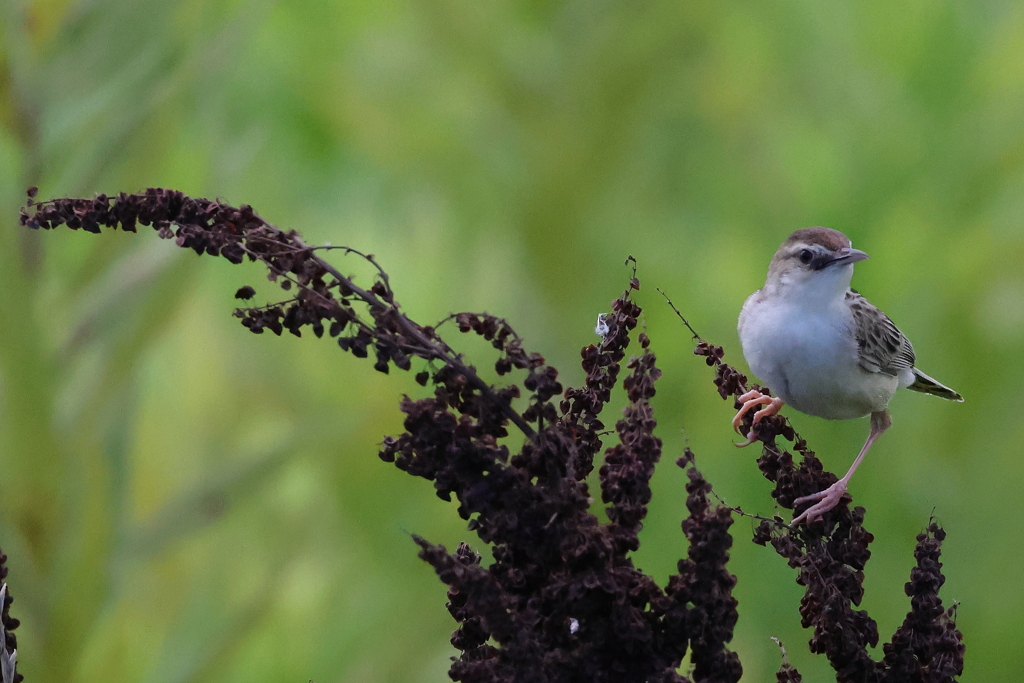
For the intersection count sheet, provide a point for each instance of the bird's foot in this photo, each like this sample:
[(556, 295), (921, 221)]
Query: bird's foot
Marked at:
[(827, 500), (750, 400)]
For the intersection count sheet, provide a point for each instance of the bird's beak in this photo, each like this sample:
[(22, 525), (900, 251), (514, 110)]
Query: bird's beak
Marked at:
[(847, 255)]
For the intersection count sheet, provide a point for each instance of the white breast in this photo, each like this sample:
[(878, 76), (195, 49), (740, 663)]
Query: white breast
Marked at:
[(808, 356)]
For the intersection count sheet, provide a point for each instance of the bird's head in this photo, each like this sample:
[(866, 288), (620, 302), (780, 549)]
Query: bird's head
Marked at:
[(816, 263)]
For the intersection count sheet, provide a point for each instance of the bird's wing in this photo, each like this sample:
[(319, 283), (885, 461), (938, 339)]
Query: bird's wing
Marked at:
[(882, 346)]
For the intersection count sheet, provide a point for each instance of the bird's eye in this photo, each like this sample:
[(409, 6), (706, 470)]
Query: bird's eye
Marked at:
[(806, 256)]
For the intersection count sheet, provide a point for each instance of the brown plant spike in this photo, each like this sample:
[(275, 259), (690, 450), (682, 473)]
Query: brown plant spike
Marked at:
[(562, 601), (8, 662)]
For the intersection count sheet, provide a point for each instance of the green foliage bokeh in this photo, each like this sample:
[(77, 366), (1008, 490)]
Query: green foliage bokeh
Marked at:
[(184, 501)]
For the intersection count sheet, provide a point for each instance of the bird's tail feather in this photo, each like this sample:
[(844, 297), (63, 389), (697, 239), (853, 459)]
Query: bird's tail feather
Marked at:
[(927, 385)]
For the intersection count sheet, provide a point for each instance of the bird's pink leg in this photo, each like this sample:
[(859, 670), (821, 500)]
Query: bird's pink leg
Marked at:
[(831, 496), (750, 400)]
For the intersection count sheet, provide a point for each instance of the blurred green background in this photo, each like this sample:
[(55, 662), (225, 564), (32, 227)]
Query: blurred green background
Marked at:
[(184, 501)]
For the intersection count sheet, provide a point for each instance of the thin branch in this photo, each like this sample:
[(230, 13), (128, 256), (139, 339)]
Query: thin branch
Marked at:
[(678, 313)]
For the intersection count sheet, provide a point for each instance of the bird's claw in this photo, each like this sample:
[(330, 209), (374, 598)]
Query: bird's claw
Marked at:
[(751, 399), (751, 438), (827, 500)]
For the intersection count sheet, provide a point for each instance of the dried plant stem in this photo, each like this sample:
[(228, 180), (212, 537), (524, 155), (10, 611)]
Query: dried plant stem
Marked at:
[(433, 349)]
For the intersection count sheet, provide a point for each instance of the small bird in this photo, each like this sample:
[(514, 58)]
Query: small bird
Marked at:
[(823, 348)]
